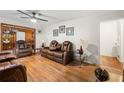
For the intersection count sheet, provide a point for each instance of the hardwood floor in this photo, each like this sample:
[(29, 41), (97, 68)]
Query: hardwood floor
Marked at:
[(114, 67), (40, 69), (111, 62)]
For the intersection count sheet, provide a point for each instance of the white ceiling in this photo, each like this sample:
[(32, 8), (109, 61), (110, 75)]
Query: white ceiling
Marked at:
[(59, 15)]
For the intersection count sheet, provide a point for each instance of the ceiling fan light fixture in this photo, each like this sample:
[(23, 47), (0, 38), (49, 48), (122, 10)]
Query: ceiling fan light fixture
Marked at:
[(33, 20)]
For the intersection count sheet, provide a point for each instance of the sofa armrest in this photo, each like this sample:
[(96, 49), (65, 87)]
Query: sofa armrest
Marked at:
[(12, 72), (68, 57)]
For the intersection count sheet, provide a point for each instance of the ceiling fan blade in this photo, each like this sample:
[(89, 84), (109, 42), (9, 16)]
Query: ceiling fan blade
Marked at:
[(40, 14), (41, 19), (29, 16), (24, 13)]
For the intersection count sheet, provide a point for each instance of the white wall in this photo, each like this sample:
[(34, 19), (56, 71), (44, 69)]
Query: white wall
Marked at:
[(83, 29), (39, 39), (108, 38), (122, 41)]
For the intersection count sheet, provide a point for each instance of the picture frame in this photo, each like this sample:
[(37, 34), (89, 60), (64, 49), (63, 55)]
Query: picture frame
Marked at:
[(62, 29), (55, 32), (70, 31)]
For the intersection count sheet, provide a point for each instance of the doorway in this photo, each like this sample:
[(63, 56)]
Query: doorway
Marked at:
[(111, 45)]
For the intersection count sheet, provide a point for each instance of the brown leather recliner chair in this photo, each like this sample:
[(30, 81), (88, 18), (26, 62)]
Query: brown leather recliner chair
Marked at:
[(12, 72), (68, 51), (22, 49), (62, 54)]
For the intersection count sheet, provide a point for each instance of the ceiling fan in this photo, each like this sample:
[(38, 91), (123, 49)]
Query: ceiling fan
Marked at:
[(32, 16)]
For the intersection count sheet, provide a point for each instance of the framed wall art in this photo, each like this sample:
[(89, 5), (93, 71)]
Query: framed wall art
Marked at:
[(55, 32), (70, 31), (62, 29)]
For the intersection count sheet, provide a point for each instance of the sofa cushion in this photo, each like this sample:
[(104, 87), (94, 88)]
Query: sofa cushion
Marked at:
[(53, 45), (44, 50), (58, 60), (24, 50), (58, 47), (66, 46), (52, 48), (55, 48), (50, 53), (59, 54)]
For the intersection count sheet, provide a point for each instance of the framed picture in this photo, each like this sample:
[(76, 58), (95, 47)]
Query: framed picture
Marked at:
[(70, 31), (55, 32), (62, 29)]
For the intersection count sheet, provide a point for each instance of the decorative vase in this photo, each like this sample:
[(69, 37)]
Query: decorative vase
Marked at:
[(80, 50)]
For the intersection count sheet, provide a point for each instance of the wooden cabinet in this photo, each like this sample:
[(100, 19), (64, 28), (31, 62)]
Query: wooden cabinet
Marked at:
[(8, 38), (8, 35)]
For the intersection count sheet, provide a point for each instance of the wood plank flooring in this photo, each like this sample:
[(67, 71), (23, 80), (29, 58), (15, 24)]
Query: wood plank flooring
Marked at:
[(111, 62), (40, 69), (114, 67)]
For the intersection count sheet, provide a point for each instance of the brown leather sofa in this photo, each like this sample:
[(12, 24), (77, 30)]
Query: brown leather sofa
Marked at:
[(10, 69), (22, 49), (59, 53), (12, 72)]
